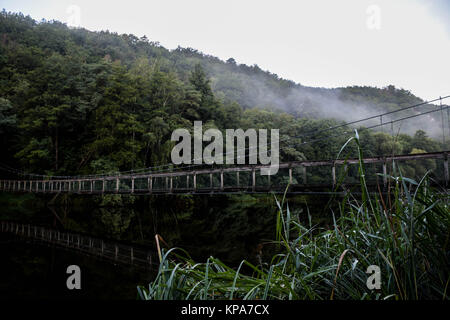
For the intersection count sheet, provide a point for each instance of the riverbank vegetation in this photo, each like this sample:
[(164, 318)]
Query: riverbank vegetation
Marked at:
[(405, 233)]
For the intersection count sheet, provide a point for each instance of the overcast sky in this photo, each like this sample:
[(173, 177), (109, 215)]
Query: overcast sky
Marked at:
[(321, 43)]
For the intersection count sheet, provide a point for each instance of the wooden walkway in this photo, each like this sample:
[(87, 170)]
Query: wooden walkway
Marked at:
[(113, 252), (238, 178)]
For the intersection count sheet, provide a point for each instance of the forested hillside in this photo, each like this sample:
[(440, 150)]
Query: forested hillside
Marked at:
[(79, 102)]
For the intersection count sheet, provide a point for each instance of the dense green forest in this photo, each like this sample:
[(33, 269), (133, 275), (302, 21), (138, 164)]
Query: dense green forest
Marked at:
[(74, 101)]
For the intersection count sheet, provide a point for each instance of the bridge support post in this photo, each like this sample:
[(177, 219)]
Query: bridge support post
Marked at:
[(116, 252), (384, 173), (171, 184), (103, 186), (150, 184), (253, 180), (221, 180), (446, 173), (187, 181), (210, 181), (195, 181), (304, 174), (167, 183), (117, 185), (237, 178), (333, 174), (132, 185), (290, 175), (92, 186)]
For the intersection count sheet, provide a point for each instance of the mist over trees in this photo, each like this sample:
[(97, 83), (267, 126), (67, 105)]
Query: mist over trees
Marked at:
[(79, 102)]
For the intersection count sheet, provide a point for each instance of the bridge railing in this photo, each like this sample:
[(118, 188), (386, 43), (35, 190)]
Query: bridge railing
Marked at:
[(243, 178)]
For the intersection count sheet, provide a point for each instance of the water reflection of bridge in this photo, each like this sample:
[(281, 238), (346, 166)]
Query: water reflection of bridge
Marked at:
[(115, 252), (225, 179)]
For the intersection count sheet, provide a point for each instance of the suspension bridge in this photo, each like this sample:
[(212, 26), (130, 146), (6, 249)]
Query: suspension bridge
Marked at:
[(244, 178)]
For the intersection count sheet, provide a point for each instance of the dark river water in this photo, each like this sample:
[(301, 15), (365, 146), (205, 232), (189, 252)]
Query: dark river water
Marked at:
[(230, 228)]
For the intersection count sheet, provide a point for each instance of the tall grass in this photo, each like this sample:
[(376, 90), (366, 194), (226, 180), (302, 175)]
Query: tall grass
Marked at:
[(405, 233)]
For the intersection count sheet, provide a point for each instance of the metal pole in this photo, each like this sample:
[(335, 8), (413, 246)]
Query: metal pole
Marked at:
[(195, 181), (446, 173), (333, 174), (253, 180)]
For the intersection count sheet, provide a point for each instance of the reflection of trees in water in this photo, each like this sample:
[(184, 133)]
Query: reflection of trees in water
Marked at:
[(224, 226), (116, 220), (116, 214)]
